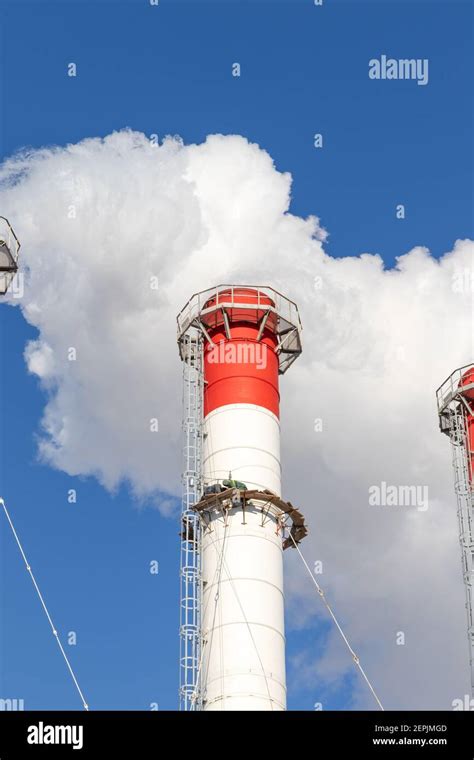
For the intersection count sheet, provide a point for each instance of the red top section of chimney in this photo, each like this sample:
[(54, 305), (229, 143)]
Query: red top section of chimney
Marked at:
[(241, 364), (468, 379)]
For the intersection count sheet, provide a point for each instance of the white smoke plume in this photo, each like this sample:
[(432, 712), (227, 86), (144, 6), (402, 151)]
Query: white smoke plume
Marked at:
[(102, 222)]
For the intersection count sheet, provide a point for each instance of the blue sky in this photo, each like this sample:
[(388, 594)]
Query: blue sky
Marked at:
[(167, 70)]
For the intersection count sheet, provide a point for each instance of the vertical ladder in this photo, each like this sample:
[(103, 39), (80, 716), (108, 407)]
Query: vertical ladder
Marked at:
[(464, 495), (190, 570)]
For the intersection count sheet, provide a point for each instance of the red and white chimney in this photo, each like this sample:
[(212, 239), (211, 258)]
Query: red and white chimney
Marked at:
[(455, 399), (251, 335)]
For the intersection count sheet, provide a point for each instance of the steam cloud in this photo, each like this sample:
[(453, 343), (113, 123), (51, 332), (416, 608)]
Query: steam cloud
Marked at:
[(100, 221)]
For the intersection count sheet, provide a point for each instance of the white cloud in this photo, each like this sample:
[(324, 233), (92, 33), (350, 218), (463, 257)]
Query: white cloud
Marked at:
[(376, 345)]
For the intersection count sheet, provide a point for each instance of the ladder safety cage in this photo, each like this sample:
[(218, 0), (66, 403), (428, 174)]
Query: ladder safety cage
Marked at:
[(190, 554)]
